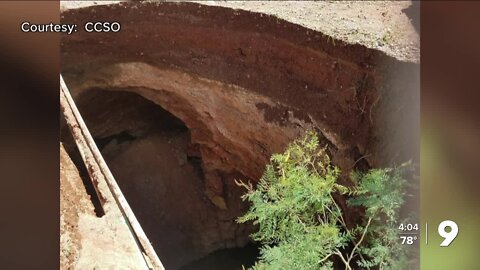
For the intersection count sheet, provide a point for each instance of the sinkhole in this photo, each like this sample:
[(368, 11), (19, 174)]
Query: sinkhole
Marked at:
[(188, 98), (160, 171)]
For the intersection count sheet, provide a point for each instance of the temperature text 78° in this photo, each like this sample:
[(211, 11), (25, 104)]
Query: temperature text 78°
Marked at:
[(408, 239)]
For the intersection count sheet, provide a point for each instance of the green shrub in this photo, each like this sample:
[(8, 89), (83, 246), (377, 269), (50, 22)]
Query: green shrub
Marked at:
[(301, 226)]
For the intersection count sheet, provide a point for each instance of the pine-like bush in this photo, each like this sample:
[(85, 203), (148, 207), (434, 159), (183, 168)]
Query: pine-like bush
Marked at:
[(301, 226)]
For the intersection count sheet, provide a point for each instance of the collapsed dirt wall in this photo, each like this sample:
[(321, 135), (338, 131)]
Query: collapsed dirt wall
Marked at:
[(300, 68), (245, 84)]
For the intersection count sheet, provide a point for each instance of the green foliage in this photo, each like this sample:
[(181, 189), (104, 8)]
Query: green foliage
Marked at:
[(382, 202), (301, 226)]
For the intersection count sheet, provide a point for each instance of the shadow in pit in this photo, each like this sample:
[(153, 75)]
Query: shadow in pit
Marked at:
[(227, 259), (149, 152)]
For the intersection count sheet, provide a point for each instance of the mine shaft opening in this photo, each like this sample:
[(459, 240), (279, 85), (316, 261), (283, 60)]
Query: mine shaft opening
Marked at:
[(159, 170)]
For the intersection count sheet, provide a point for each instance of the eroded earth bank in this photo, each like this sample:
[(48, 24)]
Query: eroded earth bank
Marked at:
[(187, 98)]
